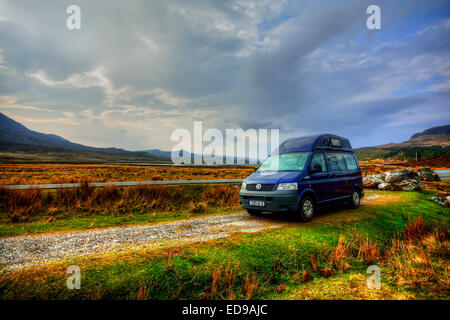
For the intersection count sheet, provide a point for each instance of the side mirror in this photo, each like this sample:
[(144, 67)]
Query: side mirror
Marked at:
[(316, 169)]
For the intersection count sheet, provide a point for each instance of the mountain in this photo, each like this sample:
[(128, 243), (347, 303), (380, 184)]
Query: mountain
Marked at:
[(159, 153), (426, 144), (18, 144), (445, 130), (168, 154)]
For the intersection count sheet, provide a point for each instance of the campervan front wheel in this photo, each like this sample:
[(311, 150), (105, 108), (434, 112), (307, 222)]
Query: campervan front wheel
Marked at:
[(307, 208)]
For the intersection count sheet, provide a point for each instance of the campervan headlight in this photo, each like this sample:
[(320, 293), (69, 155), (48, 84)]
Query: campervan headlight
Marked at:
[(287, 186), (243, 186)]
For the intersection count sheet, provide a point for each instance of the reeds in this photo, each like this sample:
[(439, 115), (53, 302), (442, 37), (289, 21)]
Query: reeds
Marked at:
[(416, 229), (420, 261), (225, 284), (20, 205), (368, 251)]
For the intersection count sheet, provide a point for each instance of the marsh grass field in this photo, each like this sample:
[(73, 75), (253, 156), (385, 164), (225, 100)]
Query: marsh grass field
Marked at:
[(404, 233), (74, 173), (11, 174)]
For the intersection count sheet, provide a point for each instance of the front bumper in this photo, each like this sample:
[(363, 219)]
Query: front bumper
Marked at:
[(274, 200)]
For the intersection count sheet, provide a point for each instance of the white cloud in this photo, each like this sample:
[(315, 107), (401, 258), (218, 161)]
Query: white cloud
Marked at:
[(3, 11), (94, 78), (151, 44), (64, 121), (414, 117), (168, 98), (97, 78), (158, 65), (10, 102)]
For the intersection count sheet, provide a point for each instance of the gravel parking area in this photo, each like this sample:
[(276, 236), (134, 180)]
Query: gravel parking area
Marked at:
[(23, 251)]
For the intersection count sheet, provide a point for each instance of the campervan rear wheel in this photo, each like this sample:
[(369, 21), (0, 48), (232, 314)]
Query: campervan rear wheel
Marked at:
[(355, 199), (307, 208), (253, 212)]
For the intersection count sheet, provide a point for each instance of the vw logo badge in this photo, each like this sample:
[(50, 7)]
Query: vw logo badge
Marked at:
[(258, 186)]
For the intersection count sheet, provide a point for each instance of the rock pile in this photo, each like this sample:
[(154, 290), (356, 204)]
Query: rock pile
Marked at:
[(405, 180), (371, 181), (443, 202), (426, 174)]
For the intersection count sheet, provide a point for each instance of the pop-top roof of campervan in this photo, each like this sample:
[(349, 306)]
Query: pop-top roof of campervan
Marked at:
[(316, 142)]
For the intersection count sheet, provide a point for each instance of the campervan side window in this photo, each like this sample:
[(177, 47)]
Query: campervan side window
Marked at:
[(350, 161), (318, 162), (336, 162)]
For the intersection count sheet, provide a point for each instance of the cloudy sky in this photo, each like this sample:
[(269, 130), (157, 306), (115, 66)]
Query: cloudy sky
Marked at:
[(137, 70)]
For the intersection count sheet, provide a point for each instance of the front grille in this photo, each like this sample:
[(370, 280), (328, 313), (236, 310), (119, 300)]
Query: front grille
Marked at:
[(257, 198), (264, 187)]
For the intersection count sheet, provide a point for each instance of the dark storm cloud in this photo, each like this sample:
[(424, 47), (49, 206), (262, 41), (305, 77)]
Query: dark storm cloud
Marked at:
[(137, 70)]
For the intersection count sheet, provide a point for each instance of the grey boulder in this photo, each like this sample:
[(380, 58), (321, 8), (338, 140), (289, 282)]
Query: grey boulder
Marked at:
[(385, 186), (407, 180), (371, 181), (426, 174)]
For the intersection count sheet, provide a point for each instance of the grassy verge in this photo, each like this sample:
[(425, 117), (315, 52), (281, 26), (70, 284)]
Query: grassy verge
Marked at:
[(324, 259), (30, 211)]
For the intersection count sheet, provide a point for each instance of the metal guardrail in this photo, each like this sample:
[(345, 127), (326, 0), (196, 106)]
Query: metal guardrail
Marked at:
[(441, 173), (119, 184)]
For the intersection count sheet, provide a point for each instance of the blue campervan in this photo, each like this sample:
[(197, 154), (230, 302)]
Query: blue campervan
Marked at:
[(303, 174)]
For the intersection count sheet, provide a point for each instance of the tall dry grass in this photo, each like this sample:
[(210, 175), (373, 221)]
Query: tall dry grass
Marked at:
[(339, 254), (73, 173), (416, 230), (20, 205), (369, 251), (225, 284), (419, 261)]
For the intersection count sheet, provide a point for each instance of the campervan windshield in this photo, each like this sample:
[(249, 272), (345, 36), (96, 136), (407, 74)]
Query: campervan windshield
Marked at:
[(285, 162)]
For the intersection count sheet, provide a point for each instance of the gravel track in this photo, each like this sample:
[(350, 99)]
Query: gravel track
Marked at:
[(23, 251)]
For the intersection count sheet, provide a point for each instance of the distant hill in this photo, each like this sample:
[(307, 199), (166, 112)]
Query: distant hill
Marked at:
[(168, 154), (159, 153), (444, 130), (429, 143), (20, 144)]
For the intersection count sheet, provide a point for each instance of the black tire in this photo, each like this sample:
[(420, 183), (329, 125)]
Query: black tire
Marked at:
[(307, 209), (355, 199), (254, 212)]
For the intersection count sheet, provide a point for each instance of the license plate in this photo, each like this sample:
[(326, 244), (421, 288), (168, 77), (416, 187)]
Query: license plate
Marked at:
[(258, 203)]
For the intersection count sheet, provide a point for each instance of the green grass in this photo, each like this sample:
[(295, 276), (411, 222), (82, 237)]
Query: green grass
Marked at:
[(87, 221), (105, 207), (262, 260)]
